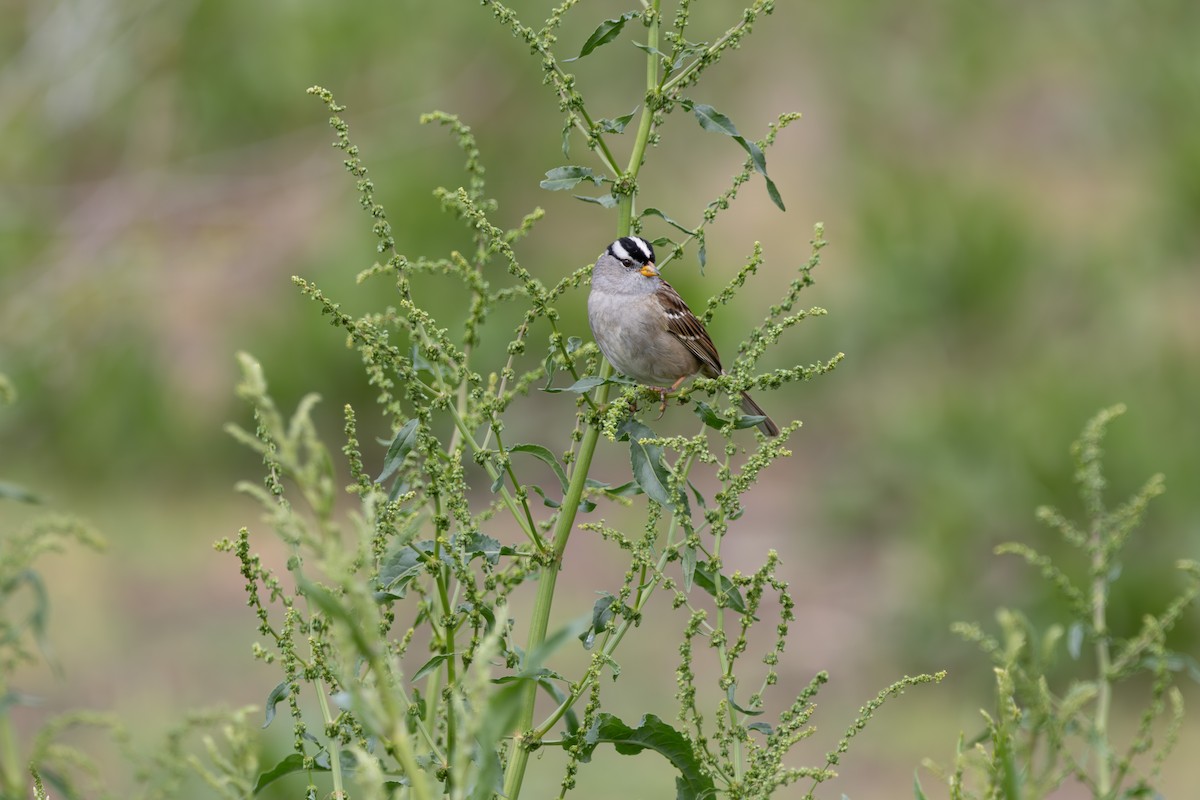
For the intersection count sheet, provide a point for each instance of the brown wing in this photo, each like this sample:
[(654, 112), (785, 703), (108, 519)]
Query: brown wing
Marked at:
[(684, 326)]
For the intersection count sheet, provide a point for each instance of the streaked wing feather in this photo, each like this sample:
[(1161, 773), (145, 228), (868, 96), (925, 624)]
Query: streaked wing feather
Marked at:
[(684, 326)]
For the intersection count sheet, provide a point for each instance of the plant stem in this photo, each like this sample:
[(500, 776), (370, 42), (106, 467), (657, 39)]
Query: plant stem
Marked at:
[(399, 742), (10, 758), (448, 648), (645, 123), (335, 750), (539, 621), (646, 588), (1103, 662), (722, 651), (519, 758)]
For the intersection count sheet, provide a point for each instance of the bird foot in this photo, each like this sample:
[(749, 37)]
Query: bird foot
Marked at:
[(663, 393), (662, 396)]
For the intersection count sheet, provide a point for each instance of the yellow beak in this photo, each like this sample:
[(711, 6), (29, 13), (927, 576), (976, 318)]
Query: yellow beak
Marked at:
[(649, 271)]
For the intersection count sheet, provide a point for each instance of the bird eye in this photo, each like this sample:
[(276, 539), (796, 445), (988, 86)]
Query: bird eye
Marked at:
[(627, 262)]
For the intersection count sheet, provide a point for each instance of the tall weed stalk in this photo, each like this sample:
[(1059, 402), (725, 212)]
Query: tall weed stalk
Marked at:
[(1045, 732), (404, 667)]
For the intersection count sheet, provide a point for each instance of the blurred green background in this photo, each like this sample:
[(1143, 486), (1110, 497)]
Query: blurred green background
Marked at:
[(1012, 196)]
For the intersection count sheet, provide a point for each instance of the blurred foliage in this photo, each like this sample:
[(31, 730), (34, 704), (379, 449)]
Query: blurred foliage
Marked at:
[(1012, 191), (24, 641), (1041, 734)]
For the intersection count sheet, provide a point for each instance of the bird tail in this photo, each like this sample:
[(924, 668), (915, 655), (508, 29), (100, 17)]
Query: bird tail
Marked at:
[(767, 426)]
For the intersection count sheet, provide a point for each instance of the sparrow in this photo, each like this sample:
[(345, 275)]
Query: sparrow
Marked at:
[(646, 330)]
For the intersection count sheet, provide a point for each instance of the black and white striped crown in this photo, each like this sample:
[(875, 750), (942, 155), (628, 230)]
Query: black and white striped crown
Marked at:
[(632, 248)]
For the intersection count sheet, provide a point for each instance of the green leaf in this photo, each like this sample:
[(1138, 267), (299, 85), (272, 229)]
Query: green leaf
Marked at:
[(498, 721), (569, 177), (13, 698), (400, 567), (1192, 668), (688, 50), (605, 32), (543, 677), (533, 662), (399, 487), (714, 420), (605, 200), (602, 612), (1075, 640), (618, 124), (571, 719), (654, 212), (430, 665), (546, 501), (332, 606), (689, 567), (733, 702), (709, 581), (421, 363), (748, 421), (773, 193), (544, 455), (628, 489), (482, 546), (693, 783), (293, 762), (647, 462), (761, 727), (536, 675), (485, 611), (402, 443), (346, 760), (11, 491), (550, 364), (712, 120), (654, 51), (38, 614), (918, 793), (556, 360), (280, 692), (504, 705), (711, 418), (757, 157), (585, 505), (541, 453), (585, 384)]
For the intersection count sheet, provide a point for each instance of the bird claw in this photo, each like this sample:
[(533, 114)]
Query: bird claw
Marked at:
[(662, 407), (663, 392)]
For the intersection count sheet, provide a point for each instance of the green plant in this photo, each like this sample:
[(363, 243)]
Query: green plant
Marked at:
[(45, 762), (24, 639), (394, 632), (1039, 738)]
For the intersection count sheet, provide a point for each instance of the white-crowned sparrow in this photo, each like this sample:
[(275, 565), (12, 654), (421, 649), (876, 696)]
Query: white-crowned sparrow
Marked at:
[(646, 330)]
